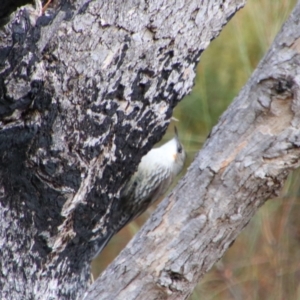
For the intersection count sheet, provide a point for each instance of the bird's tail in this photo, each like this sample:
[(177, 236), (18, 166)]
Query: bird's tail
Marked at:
[(100, 244)]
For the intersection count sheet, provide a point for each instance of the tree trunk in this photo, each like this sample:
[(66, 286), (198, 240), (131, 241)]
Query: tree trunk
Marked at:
[(243, 163), (86, 90)]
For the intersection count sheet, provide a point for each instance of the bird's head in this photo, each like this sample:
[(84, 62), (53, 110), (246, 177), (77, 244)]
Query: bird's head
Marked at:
[(174, 154), (180, 154)]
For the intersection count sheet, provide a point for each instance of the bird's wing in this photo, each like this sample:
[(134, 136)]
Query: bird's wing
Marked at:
[(136, 197), (143, 192)]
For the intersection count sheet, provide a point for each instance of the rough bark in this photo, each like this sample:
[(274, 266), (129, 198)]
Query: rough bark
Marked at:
[(85, 90), (243, 163)]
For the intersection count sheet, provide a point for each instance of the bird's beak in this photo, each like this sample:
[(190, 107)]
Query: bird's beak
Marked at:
[(176, 132)]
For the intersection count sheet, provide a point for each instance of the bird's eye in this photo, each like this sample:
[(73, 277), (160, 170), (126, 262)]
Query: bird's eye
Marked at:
[(179, 148)]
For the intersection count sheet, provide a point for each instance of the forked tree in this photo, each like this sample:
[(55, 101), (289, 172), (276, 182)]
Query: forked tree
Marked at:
[(87, 88)]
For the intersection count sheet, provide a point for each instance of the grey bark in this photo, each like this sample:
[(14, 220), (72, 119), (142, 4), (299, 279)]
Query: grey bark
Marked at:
[(85, 90), (243, 163)]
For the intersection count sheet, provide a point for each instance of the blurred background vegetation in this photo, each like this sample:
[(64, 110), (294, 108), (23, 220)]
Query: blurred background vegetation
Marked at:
[(264, 262)]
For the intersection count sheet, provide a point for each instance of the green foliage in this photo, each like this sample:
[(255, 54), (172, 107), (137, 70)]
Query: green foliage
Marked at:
[(263, 263)]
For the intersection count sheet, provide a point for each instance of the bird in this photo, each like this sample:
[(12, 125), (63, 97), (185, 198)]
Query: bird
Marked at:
[(156, 172)]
